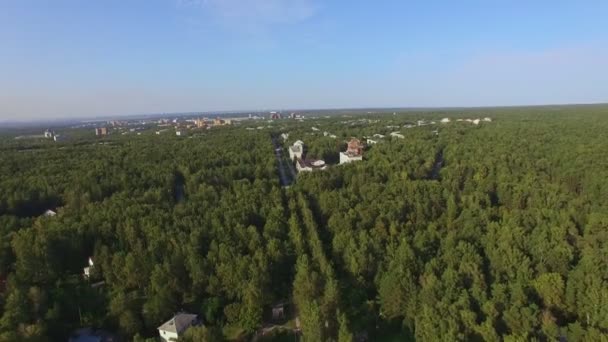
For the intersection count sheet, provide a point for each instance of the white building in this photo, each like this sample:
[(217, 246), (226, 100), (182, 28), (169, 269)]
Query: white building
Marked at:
[(176, 326), (487, 119), (315, 129), (380, 136), (285, 136), (310, 165), (48, 134), (476, 122), (50, 213), (348, 158), (397, 135), (445, 120), (57, 138), (354, 152), (87, 270), (180, 133), (371, 142), (297, 150)]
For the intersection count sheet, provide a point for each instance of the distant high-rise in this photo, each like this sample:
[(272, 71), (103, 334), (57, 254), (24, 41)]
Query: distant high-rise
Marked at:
[(101, 131)]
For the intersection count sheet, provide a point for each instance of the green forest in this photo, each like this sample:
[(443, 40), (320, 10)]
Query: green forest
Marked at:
[(457, 232)]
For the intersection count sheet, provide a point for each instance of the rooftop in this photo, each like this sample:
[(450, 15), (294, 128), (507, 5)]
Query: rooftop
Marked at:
[(178, 323)]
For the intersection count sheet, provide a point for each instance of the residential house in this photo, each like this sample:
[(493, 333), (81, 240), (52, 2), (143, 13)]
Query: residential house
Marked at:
[(87, 270), (309, 165), (48, 134), (354, 152), (50, 213), (297, 150), (445, 120), (397, 135), (101, 131), (176, 326), (371, 142), (476, 122), (180, 133), (487, 119)]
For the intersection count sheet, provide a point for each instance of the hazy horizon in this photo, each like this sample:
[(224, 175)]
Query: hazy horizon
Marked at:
[(70, 60)]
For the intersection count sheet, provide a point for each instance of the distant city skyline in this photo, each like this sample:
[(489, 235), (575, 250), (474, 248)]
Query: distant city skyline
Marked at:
[(71, 59)]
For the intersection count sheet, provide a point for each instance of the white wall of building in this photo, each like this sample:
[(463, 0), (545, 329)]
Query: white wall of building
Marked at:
[(167, 336), (345, 158)]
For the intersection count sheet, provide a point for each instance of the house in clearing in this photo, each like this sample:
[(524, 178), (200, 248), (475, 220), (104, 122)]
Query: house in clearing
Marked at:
[(176, 326), (309, 165), (354, 152), (87, 270), (296, 151)]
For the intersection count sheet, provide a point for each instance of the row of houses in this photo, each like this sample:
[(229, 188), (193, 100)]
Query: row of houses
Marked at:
[(49, 134), (297, 153), (473, 121)]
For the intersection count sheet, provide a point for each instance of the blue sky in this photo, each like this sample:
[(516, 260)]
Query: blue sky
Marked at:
[(75, 58)]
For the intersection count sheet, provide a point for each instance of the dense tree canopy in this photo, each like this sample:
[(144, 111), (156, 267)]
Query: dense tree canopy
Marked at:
[(496, 231)]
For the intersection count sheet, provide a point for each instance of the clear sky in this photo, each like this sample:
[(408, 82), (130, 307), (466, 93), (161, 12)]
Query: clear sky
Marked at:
[(79, 58)]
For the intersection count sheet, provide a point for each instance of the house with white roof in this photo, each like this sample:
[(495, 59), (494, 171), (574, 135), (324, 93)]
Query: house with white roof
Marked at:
[(397, 135), (176, 326), (297, 150), (50, 213), (445, 120), (310, 165), (487, 119), (87, 270)]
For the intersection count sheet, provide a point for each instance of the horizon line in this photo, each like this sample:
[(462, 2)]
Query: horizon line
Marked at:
[(94, 118)]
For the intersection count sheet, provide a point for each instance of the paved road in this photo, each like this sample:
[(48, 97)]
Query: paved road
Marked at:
[(283, 165)]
